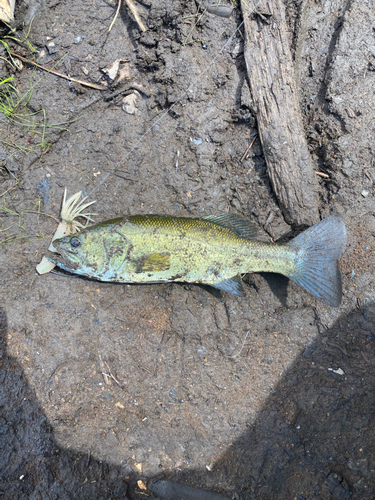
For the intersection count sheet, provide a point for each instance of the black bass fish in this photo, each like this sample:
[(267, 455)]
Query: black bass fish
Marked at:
[(213, 250)]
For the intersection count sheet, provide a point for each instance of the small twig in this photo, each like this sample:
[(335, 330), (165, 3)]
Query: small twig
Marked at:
[(10, 64), (365, 358), (114, 19), (134, 11), (369, 178), (192, 28), (134, 86), (105, 375), (142, 367), (322, 174), (112, 376), (40, 213), (117, 175), (12, 187), (177, 159), (248, 149), (9, 171), (87, 84), (359, 305), (140, 88), (239, 352)]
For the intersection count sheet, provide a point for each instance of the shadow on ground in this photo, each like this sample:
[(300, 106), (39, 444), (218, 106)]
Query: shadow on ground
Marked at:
[(313, 439), (32, 466)]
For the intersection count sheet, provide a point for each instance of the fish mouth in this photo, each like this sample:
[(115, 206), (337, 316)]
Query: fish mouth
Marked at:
[(64, 264), (65, 260)]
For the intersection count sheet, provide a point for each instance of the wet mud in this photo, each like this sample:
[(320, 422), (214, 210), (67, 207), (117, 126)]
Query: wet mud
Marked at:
[(107, 389)]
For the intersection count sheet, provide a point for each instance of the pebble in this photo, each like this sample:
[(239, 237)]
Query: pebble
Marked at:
[(197, 142), (52, 47), (78, 39)]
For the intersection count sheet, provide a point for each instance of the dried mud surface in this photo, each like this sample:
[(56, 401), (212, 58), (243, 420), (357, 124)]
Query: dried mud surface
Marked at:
[(265, 397)]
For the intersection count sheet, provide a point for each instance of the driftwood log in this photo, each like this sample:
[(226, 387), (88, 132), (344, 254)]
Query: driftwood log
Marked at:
[(275, 100)]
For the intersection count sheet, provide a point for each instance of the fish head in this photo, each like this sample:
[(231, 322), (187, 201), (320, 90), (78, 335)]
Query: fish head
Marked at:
[(95, 252)]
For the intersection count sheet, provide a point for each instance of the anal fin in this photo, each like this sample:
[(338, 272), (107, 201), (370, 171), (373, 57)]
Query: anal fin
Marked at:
[(234, 286)]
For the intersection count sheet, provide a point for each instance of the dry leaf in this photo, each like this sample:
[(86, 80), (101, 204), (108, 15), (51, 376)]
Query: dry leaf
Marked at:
[(129, 103), (123, 72), (45, 266), (111, 71), (7, 11)]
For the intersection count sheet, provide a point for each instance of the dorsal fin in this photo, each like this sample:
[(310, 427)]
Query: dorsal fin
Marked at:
[(239, 225)]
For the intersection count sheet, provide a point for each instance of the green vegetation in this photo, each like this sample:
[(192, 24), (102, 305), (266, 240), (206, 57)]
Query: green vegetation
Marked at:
[(19, 232), (22, 130), (14, 106)]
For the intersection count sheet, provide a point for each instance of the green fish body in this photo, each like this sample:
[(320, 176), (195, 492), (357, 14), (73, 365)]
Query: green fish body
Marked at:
[(213, 250)]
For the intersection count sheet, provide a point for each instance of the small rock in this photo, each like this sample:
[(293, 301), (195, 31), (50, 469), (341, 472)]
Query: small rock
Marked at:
[(337, 99), (52, 48), (338, 487), (111, 440), (220, 10), (365, 193), (78, 39), (141, 485), (359, 485), (238, 49), (202, 351), (350, 113), (358, 466), (129, 103), (339, 371), (347, 168), (138, 466)]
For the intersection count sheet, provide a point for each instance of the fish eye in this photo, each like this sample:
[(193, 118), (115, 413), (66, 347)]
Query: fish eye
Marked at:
[(74, 242)]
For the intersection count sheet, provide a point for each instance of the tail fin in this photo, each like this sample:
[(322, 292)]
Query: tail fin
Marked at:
[(318, 249)]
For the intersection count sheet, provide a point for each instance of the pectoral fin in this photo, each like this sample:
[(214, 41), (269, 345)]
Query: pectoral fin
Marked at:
[(233, 286), (152, 262)]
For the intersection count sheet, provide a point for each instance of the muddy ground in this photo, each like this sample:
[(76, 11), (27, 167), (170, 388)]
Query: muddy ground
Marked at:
[(265, 397)]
